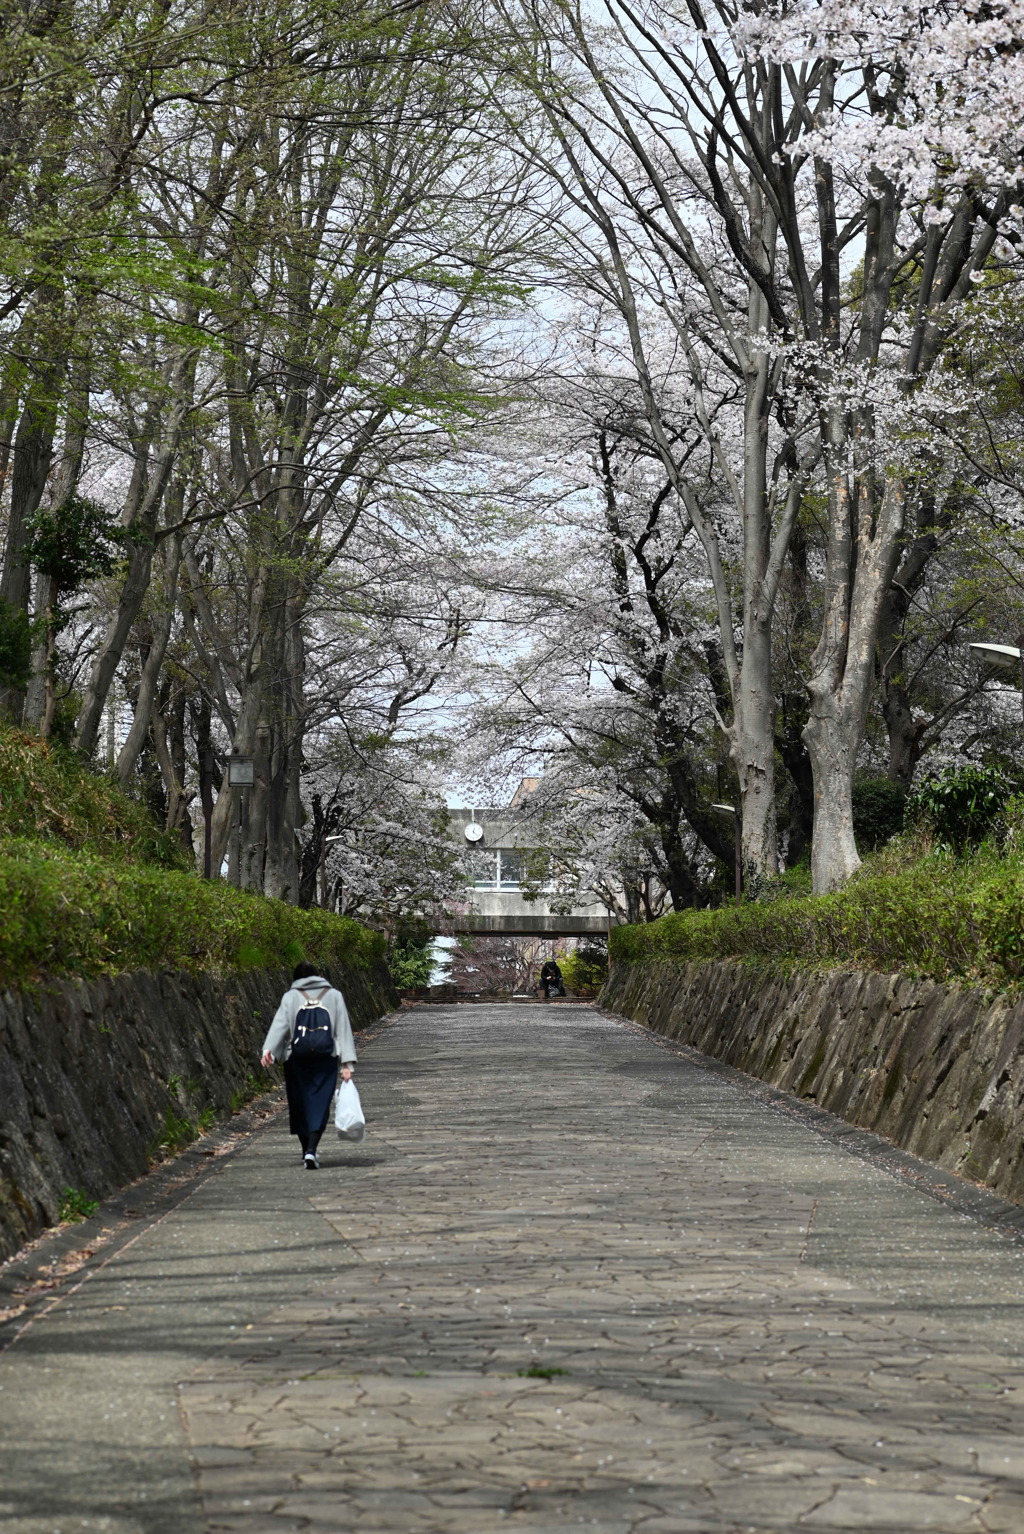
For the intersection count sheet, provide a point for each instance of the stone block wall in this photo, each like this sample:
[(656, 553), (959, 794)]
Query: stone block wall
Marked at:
[(937, 1070), (90, 1071)]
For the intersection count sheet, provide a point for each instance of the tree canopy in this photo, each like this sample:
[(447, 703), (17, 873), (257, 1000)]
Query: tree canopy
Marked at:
[(400, 397)]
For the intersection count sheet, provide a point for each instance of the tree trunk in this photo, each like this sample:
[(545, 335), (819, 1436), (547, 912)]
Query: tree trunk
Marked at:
[(108, 657), (35, 695), (252, 871), (312, 864), (202, 724), (251, 735), (143, 511), (793, 750), (284, 805), (33, 443), (683, 888), (858, 574), (753, 753), (50, 662), (40, 698), (149, 683), (169, 748), (903, 730), (832, 744), (753, 728), (905, 734), (33, 454)]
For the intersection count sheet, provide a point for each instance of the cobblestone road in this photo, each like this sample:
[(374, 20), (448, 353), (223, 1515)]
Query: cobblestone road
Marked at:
[(570, 1280)]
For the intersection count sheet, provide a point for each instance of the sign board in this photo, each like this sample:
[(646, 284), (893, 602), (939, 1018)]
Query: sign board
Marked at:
[(241, 772)]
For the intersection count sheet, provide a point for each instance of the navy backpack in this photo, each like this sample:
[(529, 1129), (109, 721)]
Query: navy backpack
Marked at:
[(313, 1034)]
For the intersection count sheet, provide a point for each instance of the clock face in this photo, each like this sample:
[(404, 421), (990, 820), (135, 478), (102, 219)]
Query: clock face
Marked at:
[(474, 833)]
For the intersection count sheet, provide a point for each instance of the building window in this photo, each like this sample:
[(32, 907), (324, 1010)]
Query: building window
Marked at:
[(498, 870), (483, 870), (510, 870)]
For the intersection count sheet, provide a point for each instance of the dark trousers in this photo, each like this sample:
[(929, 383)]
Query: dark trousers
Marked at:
[(310, 1082)]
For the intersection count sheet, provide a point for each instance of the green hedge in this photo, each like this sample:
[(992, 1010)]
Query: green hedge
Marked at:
[(947, 917), (75, 913)]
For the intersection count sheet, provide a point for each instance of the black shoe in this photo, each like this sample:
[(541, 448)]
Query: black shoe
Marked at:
[(310, 1161)]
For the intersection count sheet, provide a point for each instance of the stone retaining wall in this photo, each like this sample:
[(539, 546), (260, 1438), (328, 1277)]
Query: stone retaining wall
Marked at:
[(937, 1070), (93, 1075)]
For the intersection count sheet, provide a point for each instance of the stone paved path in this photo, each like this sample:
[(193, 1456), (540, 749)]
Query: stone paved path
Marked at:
[(570, 1281)]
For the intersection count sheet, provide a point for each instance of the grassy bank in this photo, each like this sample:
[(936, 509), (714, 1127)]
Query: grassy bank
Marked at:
[(909, 910), (50, 796), (89, 886)]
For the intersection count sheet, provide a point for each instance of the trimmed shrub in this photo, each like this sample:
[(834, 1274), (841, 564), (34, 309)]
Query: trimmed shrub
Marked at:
[(74, 913), (944, 916), (89, 886), (585, 969)]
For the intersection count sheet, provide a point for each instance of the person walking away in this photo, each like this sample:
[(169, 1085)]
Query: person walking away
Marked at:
[(311, 1032)]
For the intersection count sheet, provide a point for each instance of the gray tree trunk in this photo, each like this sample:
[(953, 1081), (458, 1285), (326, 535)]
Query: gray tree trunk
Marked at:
[(33, 455), (284, 809), (753, 727), (150, 680), (142, 516), (858, 574), (35, 693), (832, 745)]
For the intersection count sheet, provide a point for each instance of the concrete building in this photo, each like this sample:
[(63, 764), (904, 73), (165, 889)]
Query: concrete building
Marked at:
[(497, 846)]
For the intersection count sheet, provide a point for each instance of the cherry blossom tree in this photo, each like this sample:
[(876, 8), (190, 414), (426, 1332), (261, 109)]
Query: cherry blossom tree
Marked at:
[(811, 295), (604, 673), (950, 77)]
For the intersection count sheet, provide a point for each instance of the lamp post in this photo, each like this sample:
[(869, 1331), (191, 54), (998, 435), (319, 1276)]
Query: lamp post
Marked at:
[(242, 775), (1007, 657), (730, 809), (241, 772), (206, 763), (322, 872)]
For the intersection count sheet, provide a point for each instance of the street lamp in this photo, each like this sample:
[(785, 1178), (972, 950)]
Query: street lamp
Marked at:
[(1006, 656), (242, 775), (322, 871), (207, 761), (730, 809), (241, 771)]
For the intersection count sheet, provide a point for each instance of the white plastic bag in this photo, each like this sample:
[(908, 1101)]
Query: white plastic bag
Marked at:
[(348, 1113)]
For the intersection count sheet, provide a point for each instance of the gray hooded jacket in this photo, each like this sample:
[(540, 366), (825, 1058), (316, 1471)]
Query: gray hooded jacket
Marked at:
[(306, 993)]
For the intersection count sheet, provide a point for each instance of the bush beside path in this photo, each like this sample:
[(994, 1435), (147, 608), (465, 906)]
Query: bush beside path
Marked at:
[(937, 913)]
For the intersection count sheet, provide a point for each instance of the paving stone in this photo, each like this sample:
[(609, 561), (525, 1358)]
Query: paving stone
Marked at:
[(621, 1224), (876, 1508), (569, 1281)]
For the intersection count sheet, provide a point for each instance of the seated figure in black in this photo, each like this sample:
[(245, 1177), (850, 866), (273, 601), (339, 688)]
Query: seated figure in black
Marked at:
[(551, 980)]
